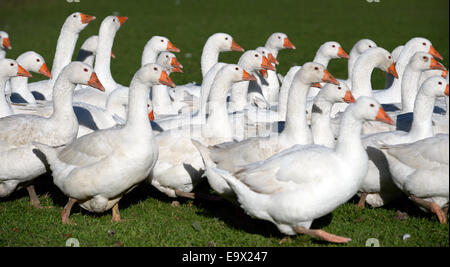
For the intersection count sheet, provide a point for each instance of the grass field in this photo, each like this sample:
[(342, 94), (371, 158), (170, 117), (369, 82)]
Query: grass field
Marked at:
[(150, 220)]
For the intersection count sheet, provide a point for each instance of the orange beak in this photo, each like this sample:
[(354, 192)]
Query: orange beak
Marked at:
[(264, 73), (328, 78), (384, 117), (288, 44), (236, 47), (435, 65), (266, 64), (122, 20), (23, 72), (272, 59), (85, 19), (164, 79), (342, 54), (151, 116), (348, 98), (6, 43), (95, 82), (172, 48), (112, 55), (44, 71), (175, 63), (248, 77), (176, 69), (444, 74), (317, 85), (393, 71), (434, 53), (446, 90)]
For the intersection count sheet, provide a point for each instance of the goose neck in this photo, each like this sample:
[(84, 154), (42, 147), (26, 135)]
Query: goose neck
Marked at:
[(210, 56), (349, 144), (409, 88), (64, 51), (320, 123), (361, 76), (137, 116), (62, 99), (423, 110), (322, 59), (5, 108), (103, 59), (149, 55)]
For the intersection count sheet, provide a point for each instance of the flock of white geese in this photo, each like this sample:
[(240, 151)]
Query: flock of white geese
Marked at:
[(286, 149)]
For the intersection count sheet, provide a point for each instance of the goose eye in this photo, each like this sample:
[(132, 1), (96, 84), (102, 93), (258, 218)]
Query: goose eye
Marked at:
[(85, 70), (12, 64), (162, 41), (226, 38), (333, 46), (155, 68), (372, 105), (425, 58), (256, 55), (167, 56), (389, 57), (74, 16), (38, 60), (316, 68), (339, 87), (114, 20), (440, 83), (279, 37), (236, 68), (424, 44), (370, 46)]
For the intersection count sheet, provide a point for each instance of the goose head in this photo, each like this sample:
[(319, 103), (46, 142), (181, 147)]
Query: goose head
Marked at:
[(34, 62), (369, 109), (10, 68), (423, 61), (160, 44), (337, 93), (224, 42), (169, 61), (383, 59), (76, 22), (435, 86), (235, 73), (4, 40), (420, 44), (112, 24), (152, 73), (313, 72), (265, 52), (363, 45), (332, 50), (279, 41), (81, 73), (253, 60)]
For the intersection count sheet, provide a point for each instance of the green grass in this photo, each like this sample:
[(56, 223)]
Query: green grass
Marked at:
[(150, 218)]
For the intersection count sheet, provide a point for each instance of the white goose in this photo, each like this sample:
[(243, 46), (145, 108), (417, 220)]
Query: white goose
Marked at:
[(161, 101), (4, 44), (179, 165), (276, 42), (326, 52), (420, 170), (88, 50), (74, 24), (108, 29), (31, 61), (98, 169), (360, 47), (293, 188), (393, 93), (216, 43), (378, 188), (19, 163), (154, 46), (8, 68)]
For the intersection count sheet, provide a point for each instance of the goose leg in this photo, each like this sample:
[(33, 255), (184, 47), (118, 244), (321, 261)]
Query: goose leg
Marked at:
[(116, 213), (322, 235), (362, 200), (65, 213), (432, 206), (185, 194), (34, 200)]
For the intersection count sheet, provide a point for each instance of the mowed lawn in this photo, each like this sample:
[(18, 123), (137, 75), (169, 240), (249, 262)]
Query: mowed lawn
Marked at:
[(149, 217)]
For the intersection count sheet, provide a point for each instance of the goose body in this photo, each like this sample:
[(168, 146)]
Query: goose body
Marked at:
[(99, 168), (300, 184)]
